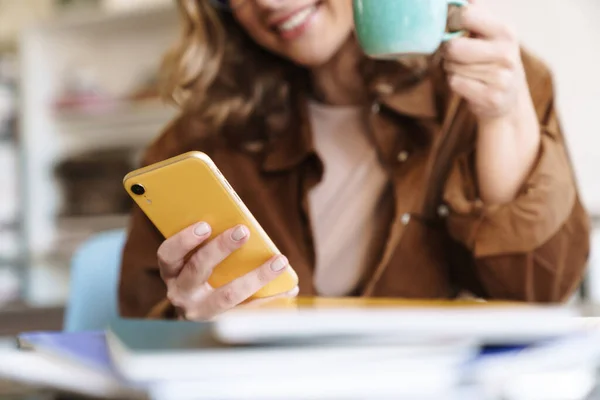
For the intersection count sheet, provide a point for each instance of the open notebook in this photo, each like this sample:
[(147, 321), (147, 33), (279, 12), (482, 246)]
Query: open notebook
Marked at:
[(326, 348), (141, 348), (340, 348), (179, 359)]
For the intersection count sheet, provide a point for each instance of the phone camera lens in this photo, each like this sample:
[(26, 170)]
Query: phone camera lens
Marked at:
[(138, 189)]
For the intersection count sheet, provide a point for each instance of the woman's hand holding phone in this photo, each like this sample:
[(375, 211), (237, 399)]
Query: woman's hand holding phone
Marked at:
[(206, 225), (186, 272)]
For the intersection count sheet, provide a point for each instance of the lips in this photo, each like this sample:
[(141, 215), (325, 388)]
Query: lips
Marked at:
[(294, 24)]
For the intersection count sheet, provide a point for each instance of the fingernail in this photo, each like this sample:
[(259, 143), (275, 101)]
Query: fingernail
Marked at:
[(294, 292), (201, 229), (279, 264), (239, 233)]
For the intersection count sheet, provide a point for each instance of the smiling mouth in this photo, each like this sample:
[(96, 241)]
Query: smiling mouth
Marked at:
[(295, 24)]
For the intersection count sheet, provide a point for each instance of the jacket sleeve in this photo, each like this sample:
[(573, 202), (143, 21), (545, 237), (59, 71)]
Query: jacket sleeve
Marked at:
[(536, 247), (142, 292)]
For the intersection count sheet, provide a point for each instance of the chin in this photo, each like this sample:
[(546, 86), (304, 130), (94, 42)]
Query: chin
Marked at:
[(312, 53), (310, 60)]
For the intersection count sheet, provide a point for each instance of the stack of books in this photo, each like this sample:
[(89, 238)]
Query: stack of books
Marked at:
[(315, 348)]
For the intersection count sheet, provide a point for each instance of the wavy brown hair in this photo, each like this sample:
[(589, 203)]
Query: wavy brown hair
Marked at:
[(217, 73)]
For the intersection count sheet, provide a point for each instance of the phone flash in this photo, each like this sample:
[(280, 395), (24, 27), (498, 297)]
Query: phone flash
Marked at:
[(148, 201)]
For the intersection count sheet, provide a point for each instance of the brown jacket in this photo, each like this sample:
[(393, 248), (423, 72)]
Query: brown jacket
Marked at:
[(442, 240)]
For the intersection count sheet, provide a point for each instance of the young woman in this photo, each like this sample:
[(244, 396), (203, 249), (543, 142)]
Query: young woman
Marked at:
[(416, 179)]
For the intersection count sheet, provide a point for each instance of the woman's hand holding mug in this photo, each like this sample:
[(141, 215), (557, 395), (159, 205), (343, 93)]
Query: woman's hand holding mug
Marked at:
[(187, 259)]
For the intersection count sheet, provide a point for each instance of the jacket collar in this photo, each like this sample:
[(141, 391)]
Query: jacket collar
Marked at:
[(418, 100)]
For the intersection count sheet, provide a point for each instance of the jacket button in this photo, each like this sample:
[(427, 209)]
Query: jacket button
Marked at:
[(402, 156), (443, 211), (253, 147), (375, 108), (528, 189), (384, 88), (405, 219)]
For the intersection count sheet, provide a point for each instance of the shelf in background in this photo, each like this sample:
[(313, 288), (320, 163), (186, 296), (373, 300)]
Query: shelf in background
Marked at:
[(114, 113), (116, 119), (10, 225), (100, 21), (11, 262), (115, 55), (131, 125)]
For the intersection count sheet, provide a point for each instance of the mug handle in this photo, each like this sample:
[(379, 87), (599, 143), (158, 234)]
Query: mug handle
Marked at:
[(450, 35)]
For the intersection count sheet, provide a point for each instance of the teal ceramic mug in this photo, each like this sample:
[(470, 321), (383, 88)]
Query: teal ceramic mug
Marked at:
[(387, 29)]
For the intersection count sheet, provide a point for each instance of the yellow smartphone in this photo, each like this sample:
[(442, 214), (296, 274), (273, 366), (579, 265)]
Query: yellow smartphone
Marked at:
[(189, 188)]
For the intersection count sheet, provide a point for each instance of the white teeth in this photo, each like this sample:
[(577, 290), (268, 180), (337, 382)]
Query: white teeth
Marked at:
[(297, 20)]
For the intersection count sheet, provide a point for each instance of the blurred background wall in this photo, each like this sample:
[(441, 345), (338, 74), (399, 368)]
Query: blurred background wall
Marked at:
[(83, 77), (78, 103)]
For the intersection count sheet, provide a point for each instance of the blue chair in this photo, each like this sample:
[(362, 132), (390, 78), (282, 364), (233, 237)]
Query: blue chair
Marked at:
[(95, 267)]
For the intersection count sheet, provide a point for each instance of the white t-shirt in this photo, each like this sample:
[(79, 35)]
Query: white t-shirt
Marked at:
[(351, 207)]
